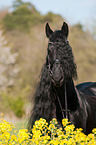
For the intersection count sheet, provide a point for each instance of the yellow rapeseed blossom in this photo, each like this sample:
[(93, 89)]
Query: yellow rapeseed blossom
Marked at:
[(65, 122), (45, 134)]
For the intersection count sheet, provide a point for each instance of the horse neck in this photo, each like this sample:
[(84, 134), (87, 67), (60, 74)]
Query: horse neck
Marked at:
[(72, 100)]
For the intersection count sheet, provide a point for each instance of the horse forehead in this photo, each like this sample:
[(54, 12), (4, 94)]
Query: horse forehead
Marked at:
[(57, 35)]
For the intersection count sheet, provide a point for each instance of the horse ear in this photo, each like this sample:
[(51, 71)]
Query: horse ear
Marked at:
[(65, 29), (48, 30)]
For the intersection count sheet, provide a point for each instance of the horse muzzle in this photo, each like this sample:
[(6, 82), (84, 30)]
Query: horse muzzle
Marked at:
[(57, 75), (58, 83)]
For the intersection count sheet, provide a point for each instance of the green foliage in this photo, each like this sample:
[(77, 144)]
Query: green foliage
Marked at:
[(16, 104), (48, 17), (14, 100), (17, 3), (24, 16), (20, 19), (78, 26)]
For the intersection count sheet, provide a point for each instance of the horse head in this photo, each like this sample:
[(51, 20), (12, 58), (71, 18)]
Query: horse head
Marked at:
[(60, 59)]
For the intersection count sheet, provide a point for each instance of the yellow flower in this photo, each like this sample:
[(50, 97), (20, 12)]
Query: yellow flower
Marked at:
[(22, 135), (94, 130), (81, 137), (44, 134), (69, 129), (13, 138), (65, 122)]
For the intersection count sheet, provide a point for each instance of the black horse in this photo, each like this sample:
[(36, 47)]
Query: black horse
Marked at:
[(56, 96)]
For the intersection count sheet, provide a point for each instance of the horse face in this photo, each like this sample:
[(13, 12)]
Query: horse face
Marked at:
[(55, 65), (60, 59), (54, 57)]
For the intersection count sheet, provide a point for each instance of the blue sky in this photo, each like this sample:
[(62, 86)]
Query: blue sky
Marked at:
[(73, 11)]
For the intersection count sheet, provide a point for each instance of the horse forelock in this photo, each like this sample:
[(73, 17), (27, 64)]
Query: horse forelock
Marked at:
[(56, 36)]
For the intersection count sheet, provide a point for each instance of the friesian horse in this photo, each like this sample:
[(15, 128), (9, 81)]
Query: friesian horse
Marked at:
[(56, 96)]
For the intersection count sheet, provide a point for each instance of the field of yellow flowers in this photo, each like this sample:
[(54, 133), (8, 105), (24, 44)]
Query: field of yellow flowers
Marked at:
[(45, 134)]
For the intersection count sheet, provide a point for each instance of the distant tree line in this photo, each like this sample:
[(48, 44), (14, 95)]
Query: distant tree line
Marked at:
[(23, 16)]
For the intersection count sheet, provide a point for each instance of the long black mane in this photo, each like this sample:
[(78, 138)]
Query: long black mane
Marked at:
[(55, 95)]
